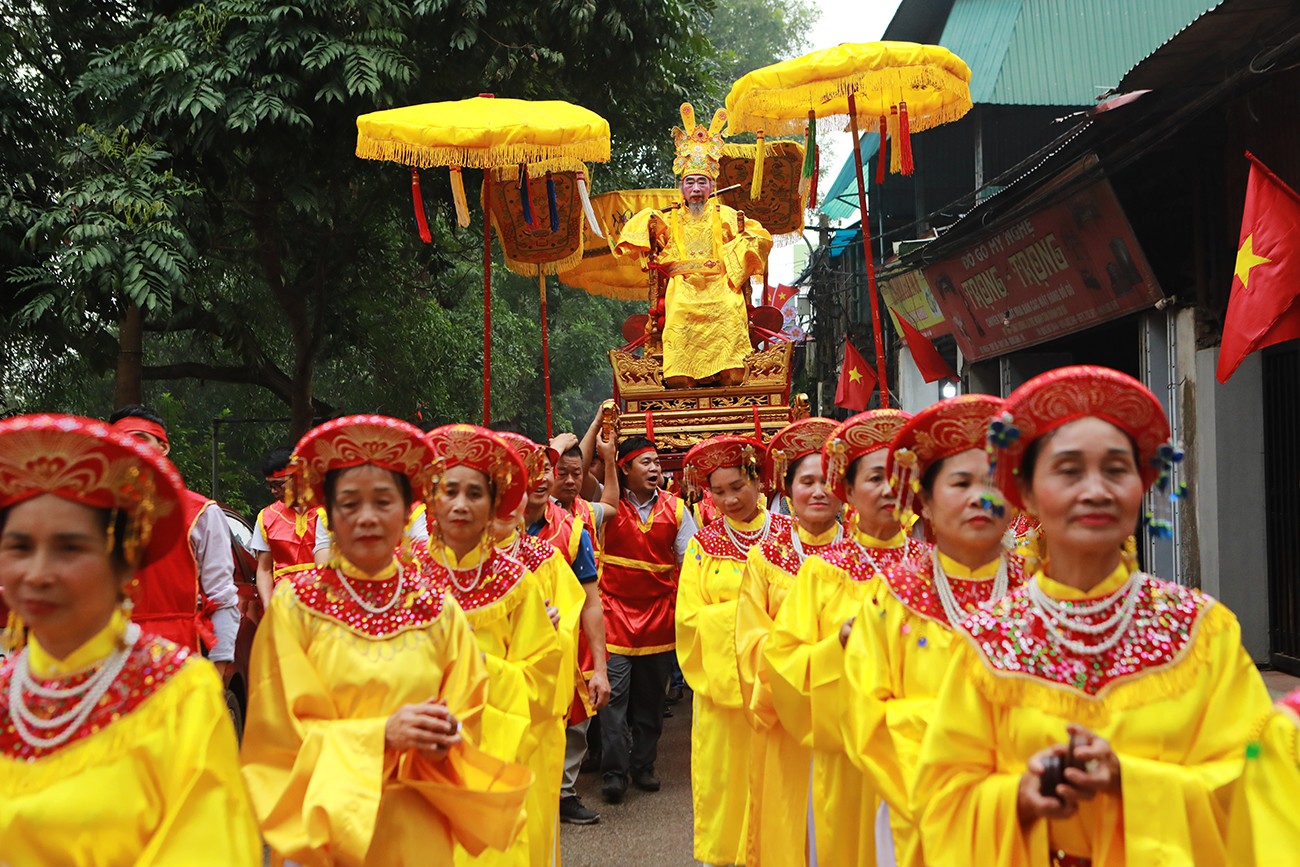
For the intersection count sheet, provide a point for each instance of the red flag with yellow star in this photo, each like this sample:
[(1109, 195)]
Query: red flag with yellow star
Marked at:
[(1264, 307), (857, 382)]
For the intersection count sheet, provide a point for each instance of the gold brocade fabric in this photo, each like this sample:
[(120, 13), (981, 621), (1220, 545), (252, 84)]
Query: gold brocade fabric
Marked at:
[(706, 328)]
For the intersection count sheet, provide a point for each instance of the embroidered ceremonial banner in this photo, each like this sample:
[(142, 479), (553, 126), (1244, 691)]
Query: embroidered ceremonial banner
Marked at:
[(540, 248), (780, 208), (599, 271)]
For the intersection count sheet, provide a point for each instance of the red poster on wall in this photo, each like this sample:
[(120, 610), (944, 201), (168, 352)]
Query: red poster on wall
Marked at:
[(1063, 269)]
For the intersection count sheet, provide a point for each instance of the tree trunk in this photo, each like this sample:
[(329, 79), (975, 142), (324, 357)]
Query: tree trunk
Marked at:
[(130, 358)]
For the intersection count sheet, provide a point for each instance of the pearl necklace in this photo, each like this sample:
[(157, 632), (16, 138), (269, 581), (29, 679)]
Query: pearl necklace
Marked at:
[(373, 609), (451, 573), (797, 543), (91, 691), (1056, 614), (871, 561), (746, 539), (956, 614)]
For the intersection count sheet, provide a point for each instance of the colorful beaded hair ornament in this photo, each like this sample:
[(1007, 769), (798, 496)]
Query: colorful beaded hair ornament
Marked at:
[(468, 445), (939, 431), (352, 441), (719, 452), (854, 437), (1067, 394), (533, 455), (793, 443)]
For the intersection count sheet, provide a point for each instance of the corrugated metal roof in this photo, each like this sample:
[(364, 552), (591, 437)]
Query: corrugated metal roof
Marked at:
[(1058, 52)]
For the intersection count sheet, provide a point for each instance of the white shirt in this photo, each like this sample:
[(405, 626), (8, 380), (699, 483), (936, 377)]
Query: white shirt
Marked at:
[(211, 541)]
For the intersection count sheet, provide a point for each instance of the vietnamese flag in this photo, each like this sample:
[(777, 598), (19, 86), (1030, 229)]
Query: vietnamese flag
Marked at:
[(1264, 307), (927, 358), (857, 382)]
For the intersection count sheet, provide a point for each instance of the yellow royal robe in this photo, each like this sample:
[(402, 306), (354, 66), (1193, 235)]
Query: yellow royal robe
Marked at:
[(507, 612), (804, 663), (158, 785), (894, 664), (706, 650), (561, 589), (1264, 828), (325, 677), (1176, 699), (779, 764), (709, 261)]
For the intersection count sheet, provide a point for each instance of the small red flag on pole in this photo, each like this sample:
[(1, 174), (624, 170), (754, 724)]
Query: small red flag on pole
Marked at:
[(857, 382), (932, 365)]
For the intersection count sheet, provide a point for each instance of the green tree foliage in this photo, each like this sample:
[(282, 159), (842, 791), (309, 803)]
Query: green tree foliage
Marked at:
[(753, 33)]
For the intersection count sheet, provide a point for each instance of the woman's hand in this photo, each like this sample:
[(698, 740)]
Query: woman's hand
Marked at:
[(846, 630), (553, 613), (430, 728), (1031, 804), (1100, 773)]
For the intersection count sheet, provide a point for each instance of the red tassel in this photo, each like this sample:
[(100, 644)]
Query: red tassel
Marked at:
[(758, 425), (904, 138), (421, 222), (881, 158), (649, 426), (817, 167)]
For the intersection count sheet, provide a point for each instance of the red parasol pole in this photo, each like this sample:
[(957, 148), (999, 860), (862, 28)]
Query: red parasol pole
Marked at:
[(546, 357), (487, 300), (866, 248)]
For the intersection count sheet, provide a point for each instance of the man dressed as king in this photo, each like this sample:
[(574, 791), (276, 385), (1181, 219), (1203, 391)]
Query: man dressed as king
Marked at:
[(708, 253)]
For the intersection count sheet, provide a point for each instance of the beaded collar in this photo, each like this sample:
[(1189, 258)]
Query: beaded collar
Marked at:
[(500, 575), (534, 551), (1013, 642), (152, 662), (715, 542), (322, 593), (778, 551), (913, 585), (849, 555)]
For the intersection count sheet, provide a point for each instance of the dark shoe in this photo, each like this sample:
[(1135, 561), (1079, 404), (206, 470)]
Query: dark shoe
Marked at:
[(591, 764), (668, 712), (645, 780), (614, 788), (573, 812), (675, 694)]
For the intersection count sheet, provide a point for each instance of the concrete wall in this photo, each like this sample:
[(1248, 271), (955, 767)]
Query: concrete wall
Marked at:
[(1229, 499), (914, 393)]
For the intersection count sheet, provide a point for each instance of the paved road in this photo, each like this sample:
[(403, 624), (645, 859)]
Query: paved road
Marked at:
[(647, 829)]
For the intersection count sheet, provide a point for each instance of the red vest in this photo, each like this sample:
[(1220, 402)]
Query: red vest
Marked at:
[(288, 548), (562, 531), (167, 595), (638, 577)]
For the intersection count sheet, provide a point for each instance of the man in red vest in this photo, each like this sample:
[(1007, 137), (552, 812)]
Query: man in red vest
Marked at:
[(644, 545), (189, 596), (283, 538)]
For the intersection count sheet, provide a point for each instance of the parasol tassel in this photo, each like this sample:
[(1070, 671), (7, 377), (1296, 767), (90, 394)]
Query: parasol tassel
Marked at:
[(807, 173), (551, 203), (458, 197), (525, 195), (756, 188), (896, 152), (421, 222), (904, 139), (592, 222), (880, 154), (817, 170)]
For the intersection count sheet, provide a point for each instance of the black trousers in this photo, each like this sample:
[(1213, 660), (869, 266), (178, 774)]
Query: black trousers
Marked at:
[(631, 723)]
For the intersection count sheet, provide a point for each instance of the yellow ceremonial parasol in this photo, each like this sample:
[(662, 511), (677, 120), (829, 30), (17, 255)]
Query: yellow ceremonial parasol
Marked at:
[(482, 133), (903, 86)]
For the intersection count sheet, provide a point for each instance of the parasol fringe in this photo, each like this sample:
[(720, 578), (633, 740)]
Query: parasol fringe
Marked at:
[(458, 197), (538, 269), (423, 157), (590, 212), (771, 147), (756, 185)]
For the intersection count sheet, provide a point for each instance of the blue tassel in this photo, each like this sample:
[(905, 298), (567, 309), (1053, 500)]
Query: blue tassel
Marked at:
[(552, 202), (523, 195)]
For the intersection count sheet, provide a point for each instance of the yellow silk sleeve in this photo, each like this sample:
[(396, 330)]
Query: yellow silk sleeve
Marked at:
[(634, 240), (561, 587), (966, 806), (706, 627), (744, 254), (1264, 826), (753, 626), (519, 634), (803, 656), (872, 687)]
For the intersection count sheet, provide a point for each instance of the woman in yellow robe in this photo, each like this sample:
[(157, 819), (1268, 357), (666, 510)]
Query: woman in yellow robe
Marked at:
[(804, 658), (779, 764), (729, 467), (898, 652), (1096, 716), (479, 477), (1264, 828), (135, 760)]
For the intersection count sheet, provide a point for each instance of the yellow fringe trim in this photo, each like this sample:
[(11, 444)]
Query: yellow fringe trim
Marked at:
[(535, 269), (423, 156), (538, 170), (770, 148), (1170, 680)]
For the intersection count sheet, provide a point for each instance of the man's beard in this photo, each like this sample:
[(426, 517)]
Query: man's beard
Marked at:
[(696, 209)]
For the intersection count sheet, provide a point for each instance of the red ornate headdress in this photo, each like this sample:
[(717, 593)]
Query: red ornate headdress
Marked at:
[(534, 456), (939, 431), (88, 462), (1067, 394), (718, 452), (352, 441), (791, 444), (468, 445), (854, 437)]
